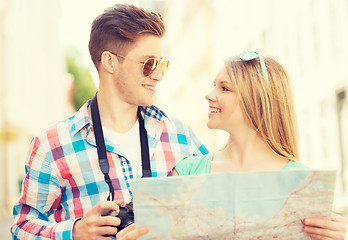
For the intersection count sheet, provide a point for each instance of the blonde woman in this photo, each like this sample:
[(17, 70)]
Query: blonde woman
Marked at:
[(252, 101)]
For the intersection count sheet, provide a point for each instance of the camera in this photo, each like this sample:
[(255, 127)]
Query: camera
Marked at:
[(124, 213)]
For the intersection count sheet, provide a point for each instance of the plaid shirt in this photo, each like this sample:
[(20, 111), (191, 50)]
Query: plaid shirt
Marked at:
[(63, 179)]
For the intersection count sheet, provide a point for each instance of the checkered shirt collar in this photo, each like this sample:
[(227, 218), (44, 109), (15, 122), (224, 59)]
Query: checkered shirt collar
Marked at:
[(81, 118)]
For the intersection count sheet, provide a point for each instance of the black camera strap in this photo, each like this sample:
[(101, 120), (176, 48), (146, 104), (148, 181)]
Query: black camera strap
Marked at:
[(99, 138)]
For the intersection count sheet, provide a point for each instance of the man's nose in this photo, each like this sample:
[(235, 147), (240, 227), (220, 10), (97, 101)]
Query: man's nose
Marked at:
[(157, 74)]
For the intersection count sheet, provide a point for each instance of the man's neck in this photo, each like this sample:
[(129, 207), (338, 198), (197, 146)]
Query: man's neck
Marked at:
[(116, 114)]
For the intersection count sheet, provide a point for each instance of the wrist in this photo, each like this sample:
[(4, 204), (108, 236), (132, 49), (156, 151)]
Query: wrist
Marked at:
[(75, 229)]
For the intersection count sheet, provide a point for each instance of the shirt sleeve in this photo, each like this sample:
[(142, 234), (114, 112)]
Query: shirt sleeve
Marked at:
[(40, 197), (183, 167), (199, 148)]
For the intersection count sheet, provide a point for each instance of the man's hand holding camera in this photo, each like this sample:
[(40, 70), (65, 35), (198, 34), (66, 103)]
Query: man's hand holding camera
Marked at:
[(93, 225), (102, 221), (124, 213)]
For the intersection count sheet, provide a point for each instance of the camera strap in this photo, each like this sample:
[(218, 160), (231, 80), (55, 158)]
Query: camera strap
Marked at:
[(99, 138)]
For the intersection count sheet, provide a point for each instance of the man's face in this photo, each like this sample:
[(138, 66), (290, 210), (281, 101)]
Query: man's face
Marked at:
[(131, 84)]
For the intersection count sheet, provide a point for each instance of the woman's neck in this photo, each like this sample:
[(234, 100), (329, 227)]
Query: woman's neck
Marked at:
[(246, 151)]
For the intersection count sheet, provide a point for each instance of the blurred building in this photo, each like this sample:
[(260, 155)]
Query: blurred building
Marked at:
[(33, 84), (309, 37)]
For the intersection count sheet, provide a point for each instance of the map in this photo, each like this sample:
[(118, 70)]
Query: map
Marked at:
[(250, 205)]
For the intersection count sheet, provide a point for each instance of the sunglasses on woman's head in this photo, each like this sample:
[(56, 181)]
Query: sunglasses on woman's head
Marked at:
[(247, 56), (150, 64)]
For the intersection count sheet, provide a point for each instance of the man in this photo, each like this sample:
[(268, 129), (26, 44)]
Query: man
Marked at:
[(64, 191)]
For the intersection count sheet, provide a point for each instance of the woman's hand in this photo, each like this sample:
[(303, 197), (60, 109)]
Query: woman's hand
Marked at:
[(326, 229), (132, 233)]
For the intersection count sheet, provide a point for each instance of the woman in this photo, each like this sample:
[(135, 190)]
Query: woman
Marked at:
[(252, 102)]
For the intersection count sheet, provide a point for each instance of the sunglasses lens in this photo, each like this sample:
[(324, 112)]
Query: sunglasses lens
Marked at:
[(164, 66), (249, 56), (149, 66)]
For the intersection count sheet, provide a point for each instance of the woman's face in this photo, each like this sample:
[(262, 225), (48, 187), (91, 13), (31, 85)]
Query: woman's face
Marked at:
[(225, 112)]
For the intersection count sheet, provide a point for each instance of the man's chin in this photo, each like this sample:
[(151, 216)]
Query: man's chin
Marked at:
[(147, 104)]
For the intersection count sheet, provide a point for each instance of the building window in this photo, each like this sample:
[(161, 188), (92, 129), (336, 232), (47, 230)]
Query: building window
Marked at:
[(335, 35), (299, 41), (316, 48), (342, 112)]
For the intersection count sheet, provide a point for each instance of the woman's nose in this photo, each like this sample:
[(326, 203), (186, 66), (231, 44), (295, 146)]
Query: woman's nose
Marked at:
[(210, 97)]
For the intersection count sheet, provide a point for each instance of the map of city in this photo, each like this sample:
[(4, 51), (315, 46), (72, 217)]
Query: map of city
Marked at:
[(257, 205)]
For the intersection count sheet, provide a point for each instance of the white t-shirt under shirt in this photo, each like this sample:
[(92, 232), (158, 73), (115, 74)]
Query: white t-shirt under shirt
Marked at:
[(128, 144)]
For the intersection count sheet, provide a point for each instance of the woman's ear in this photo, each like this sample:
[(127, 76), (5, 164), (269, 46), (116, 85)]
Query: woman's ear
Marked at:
[(107, 62)]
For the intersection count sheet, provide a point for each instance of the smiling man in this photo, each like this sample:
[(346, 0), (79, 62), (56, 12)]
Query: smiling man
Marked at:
[(82, 166)]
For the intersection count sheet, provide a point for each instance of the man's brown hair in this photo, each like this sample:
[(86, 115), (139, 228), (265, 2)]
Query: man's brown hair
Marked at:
[(119, 26)]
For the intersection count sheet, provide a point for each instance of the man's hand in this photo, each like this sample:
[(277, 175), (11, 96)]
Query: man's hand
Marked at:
[(132, 233), (94, 226), (326, 229)]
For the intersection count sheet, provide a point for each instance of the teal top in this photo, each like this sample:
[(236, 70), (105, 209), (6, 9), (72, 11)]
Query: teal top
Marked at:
[(201, 165)]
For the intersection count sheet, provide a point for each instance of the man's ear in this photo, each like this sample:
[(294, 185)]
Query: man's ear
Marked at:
[(107, 62)]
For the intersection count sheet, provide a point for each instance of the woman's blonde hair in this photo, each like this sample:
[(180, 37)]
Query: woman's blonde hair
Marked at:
[(268, 105)]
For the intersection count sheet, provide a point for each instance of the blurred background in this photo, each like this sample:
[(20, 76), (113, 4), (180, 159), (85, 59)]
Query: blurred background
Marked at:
[(46, 72)]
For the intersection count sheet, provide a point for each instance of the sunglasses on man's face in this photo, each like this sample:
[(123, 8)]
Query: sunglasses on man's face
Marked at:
[(247, 56), (150, 64)]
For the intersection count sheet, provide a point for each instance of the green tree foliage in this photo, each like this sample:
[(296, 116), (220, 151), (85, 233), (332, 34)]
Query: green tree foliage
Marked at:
[(84, 87)]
